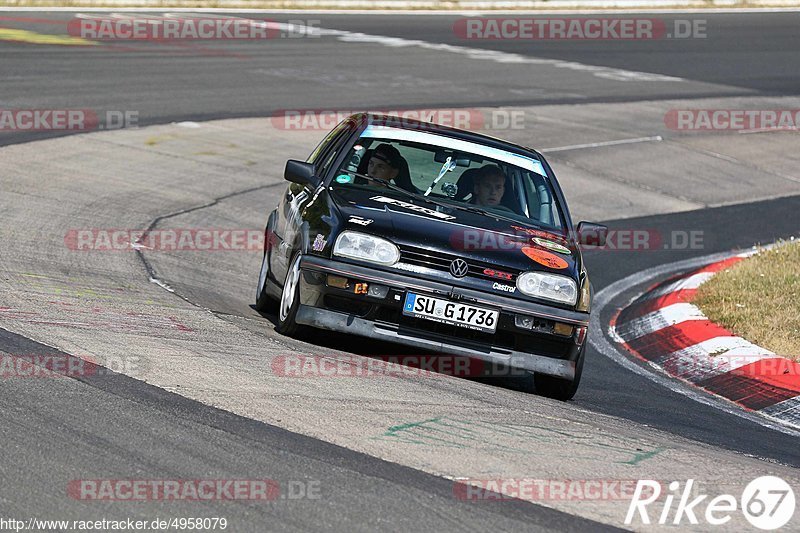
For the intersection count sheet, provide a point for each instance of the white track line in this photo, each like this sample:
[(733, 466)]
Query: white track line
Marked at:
[(654, 138), (607, 73)]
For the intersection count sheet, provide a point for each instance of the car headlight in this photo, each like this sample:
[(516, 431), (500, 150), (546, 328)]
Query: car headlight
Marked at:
[(366, 247), (548, 286)]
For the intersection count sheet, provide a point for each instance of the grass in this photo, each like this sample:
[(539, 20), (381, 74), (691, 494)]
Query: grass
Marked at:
[(759, 299)]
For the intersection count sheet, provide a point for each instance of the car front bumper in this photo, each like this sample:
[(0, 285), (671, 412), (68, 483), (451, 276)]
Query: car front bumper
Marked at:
[(339, 309)]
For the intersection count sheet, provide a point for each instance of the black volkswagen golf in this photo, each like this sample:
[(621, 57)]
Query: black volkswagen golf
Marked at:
[(435, 238)]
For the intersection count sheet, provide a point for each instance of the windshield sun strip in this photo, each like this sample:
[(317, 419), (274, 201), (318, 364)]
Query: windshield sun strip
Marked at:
[(396, 134)]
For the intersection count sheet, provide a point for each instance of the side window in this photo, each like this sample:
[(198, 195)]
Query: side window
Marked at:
[(329, 159), (541, 203), (321, 146), (321, 150), (325, 154)]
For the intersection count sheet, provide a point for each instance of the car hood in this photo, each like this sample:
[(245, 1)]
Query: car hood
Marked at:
[(414, 224)]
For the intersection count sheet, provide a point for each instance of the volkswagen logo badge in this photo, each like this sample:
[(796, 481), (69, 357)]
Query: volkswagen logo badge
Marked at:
[(459, 268)]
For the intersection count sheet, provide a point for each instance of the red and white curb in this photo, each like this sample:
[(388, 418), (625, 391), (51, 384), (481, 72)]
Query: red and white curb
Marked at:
[(663, 328)]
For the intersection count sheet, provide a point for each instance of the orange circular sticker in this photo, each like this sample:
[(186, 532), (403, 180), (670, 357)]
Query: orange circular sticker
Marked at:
[(544, 258)]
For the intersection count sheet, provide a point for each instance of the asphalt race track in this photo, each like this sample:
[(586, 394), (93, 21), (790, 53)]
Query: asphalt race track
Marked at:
[(189, 386)]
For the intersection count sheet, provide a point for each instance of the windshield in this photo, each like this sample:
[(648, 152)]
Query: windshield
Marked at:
[(456, 173)]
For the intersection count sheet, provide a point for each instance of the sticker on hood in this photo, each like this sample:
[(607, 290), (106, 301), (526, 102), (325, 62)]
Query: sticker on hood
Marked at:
[(506, 288), (413, 207), (550, 245), (542, 234), (319, 243), (544, 258), (360, 221)]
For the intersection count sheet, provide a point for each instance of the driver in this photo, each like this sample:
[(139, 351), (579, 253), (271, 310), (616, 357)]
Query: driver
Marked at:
[(384, 163), (489, 185)]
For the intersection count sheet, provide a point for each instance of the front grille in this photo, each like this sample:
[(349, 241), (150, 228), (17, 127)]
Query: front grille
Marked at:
[(441, 262), (506, 336), (347, 305)]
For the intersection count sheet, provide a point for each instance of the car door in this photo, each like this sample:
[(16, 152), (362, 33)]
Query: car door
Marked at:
[(289, 216)]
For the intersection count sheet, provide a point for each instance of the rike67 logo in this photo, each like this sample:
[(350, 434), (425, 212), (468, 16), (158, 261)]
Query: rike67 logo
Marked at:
[(767, 503)]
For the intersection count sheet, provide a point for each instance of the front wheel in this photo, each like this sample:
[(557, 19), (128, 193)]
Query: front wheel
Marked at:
[(560, 388), (290, 300)]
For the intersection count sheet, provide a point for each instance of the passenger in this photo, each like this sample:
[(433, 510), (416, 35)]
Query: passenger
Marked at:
[(489, 185)]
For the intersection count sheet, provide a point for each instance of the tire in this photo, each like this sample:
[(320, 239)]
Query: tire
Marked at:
[(560, 388), (264, 302), (290, 299)]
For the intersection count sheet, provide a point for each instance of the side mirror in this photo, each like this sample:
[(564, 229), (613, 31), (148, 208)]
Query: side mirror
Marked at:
[(301, 172), (590, 234)]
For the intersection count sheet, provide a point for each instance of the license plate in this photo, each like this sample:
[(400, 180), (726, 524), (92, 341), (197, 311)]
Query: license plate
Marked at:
[(453, 313)]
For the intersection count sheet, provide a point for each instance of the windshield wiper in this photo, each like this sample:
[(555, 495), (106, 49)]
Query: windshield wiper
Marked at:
[(478, 210), (393, 187), (528, 221)]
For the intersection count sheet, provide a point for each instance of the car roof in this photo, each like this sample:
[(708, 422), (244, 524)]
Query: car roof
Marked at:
[(412, 124)]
